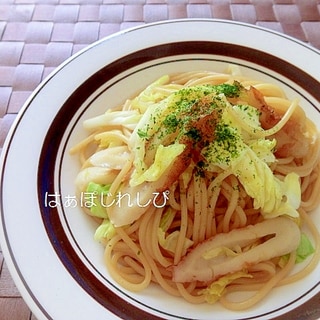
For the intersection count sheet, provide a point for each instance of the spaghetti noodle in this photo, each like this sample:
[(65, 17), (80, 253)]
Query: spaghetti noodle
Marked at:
[(183, 171)]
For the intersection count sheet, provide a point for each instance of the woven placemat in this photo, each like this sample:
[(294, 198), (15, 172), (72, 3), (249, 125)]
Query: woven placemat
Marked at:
[(36, 36)]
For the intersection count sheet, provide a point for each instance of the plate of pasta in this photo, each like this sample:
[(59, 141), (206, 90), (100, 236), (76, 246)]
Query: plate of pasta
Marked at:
[(175, 177)]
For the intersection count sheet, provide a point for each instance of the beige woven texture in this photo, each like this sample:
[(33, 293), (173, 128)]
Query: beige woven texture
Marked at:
[(37, 36)]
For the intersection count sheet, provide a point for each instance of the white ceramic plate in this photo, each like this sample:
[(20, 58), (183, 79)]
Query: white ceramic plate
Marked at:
[(49, 249)]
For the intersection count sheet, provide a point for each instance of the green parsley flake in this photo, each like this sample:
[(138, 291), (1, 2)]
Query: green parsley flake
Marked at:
[(188, 106)]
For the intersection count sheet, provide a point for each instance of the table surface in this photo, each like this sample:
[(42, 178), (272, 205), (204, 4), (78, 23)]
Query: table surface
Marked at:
[(36, 36)]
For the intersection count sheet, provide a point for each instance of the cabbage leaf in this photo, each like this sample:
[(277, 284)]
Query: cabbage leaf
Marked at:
[(304, 250), (164, 157), (105, 231), (95, 194), (168, 241), (273, 196), (217, 288)]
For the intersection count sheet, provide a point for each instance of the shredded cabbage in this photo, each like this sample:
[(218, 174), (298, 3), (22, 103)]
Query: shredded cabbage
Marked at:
[(148, 96), (140, 135), (169, 241), (105, 231), (163, 158), (248, 159), (304, 250), (95, 193), (248, 114), (273, 196), (264, 148), (217, 288)]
